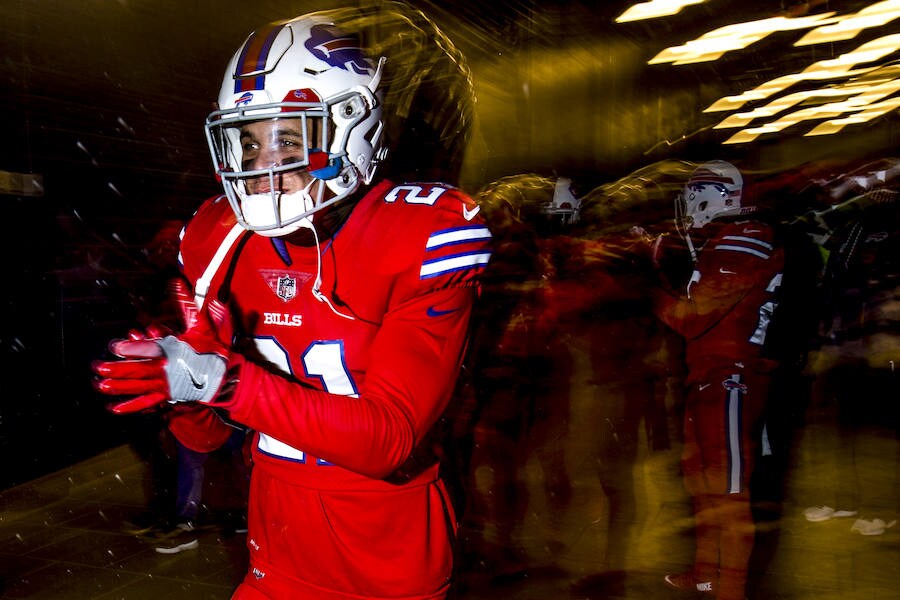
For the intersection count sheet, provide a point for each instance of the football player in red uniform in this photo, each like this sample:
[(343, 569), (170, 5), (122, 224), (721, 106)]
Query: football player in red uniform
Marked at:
[(551, 296), (519, 371), (723, 315), (332, 317)]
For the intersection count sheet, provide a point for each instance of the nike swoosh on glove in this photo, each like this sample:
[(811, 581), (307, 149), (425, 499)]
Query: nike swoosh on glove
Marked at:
[(189, 367)]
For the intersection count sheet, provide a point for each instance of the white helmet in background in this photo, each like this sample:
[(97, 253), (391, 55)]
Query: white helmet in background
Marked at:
[(564, 205), (714, 191), (313, 91)]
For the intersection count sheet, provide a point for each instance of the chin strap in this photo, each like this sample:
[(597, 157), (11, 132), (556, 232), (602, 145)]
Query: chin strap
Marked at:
[(202, 286), (683, 227), (690, 245)]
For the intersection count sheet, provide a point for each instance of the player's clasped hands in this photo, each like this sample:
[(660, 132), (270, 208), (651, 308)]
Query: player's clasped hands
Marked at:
[(156, 368)]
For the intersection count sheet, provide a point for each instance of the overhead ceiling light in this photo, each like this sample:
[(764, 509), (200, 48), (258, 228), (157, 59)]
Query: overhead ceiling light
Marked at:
[(854, 94), (871, 112), (848, 27), (818, 112), (712, 45), (862, 90), (828, 28), (655, 9), (824, 69), (779, 105), (860, 113)]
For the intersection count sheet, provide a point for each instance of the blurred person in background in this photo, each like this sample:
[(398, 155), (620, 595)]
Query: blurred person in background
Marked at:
[(559, 292), (519, 371), (856, 360), (723, 312), (198, 432)]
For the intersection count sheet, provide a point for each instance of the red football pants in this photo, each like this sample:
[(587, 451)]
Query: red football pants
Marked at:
[(722, 432)]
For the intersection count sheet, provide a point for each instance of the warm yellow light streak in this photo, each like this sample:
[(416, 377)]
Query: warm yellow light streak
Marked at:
[(774, 86), (814, 113), (712, 45), (871, 112), (850, 102), (777, 106), (848, 27), (877, 76), (824, 69), (750, 134), (873, 93), (654, 9), (856, 93)]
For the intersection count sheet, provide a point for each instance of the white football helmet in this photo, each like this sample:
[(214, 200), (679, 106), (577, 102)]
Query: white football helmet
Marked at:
[(564, 206), (299, 111), (713, 191)]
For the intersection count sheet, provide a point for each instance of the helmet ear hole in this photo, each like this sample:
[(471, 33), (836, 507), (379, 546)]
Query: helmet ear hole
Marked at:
[(702, 206)]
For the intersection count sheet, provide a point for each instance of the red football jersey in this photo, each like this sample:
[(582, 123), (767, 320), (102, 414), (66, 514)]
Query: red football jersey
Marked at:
[(342, 384), (730, 300)]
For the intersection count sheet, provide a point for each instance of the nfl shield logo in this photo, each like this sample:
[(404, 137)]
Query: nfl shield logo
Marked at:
[(287, 287)]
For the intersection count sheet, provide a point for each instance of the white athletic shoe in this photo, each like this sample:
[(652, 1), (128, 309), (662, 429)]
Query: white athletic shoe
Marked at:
[(823, 513), (182, 537), (873, 527)]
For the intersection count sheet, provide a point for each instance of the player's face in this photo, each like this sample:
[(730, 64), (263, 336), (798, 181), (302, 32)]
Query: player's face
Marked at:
[(273, 143)]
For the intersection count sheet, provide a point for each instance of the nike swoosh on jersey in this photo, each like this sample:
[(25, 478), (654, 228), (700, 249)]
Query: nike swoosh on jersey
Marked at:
[(468, 215), (703, 386), (197, 383), (434, 312), (725, 271)]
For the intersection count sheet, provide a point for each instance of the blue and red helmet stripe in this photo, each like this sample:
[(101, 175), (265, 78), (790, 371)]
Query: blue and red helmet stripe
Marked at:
[(253, 58)]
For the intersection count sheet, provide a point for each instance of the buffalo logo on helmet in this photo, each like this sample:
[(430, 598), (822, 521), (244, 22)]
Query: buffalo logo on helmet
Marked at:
[(301, 95), (337, 49), (245, 98)]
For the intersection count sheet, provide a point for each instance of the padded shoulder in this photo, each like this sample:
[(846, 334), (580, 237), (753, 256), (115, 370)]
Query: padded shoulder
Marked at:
[(203, 235)]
